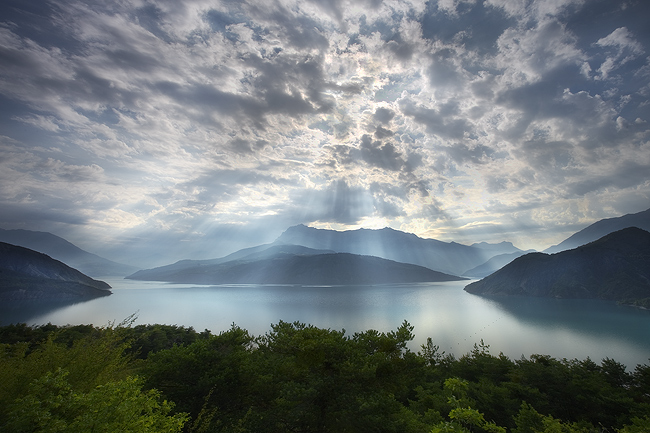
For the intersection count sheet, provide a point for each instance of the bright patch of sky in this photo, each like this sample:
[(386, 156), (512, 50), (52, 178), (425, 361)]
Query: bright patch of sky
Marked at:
[(200, 127)]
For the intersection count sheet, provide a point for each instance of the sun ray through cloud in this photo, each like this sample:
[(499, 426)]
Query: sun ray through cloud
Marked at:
[(465, 120)]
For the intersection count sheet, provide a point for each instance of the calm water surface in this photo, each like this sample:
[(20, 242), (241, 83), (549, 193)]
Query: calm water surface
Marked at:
[(454, 319)]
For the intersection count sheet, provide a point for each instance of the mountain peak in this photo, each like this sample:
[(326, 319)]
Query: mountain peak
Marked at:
[(388, 243), (614, 267), (65, 251), (601, 228), (26, 274)]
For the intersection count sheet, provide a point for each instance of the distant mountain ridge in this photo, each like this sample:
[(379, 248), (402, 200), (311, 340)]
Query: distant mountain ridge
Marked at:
[(447, 257), (500, 248), (279, 267), (29, 275), (494, 264), (614, 267), (389, 244), (171, 272), (60, 249), (601, 228)]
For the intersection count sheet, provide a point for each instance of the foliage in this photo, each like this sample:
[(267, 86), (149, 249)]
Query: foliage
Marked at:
[(302, 378), (462, 417), (75, 379), (51, 405)]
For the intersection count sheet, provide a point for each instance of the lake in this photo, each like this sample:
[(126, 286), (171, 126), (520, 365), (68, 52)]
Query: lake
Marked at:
[(453, 318)]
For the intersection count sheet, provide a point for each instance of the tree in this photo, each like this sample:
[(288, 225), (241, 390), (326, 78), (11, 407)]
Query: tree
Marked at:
[(463, 419), (639, 425), (528, 420), (52, 406)]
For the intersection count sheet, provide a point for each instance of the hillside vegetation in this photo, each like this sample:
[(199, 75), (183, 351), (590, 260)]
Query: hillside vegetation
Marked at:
[(27, 275), (291, 268), (299, 378), (615, 267)]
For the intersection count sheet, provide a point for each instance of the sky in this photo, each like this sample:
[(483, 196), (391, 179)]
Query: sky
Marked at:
[(160, 129)]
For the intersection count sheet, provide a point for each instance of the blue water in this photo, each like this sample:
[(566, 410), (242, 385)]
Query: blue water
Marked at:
[(454, 319)]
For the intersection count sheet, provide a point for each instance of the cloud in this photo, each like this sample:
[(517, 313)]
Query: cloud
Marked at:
[(380, 155), (627, 174), (383, 115), (337, 203), (139, 118), (462, 153), (622, 48), (443, 122)]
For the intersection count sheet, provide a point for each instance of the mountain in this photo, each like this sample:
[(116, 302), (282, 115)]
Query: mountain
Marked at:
[(29, 275), (614, 267), (169, 272), (308, 269), (60, 249), (450, 258), (601, 228), (500, 248), (493, 265)]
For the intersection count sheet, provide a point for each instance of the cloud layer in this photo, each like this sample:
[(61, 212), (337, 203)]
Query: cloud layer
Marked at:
[(202, 120)]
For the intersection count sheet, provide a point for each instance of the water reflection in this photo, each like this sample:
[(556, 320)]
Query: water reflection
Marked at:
[(601, 319), (454, 319), (30, 311)]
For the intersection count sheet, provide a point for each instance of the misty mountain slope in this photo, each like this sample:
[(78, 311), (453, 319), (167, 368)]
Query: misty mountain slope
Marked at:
[(29, 275), (450, 258), (615, 267), (601, 228), (163, 273), (319, 269), (500, 248), (493, 265), (60, 249)]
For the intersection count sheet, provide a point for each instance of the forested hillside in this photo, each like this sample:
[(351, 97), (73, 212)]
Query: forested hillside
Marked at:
[(27, 275), (299, 378)]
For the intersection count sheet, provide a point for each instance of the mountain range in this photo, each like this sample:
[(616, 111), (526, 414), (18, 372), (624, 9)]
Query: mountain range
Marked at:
[(447, 257), (601, 228), (320, 249), (60, 249), (293, 264), (475, 261), (29, 275), (493, 264), (614, 267)]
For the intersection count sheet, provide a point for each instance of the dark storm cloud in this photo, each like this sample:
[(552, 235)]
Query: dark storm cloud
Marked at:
[(199, 95), (332, 7), (298, 31), (628, 174), (215, 184), (301, 32), (283, 79), (461, 153), (444, 122), (381, 132), (543, 99), (383, 115), (477, 25), (240, 145), (380, 155), (546, 156), (375, 153), (402, 49)]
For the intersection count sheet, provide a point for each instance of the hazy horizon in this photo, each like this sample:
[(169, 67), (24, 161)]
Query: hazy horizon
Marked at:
[(204, 127)]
